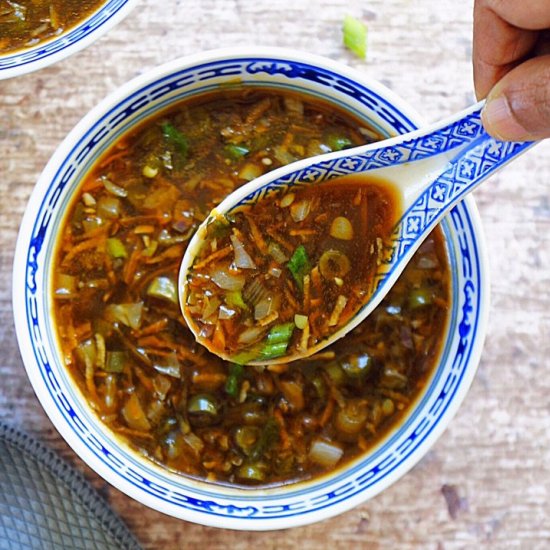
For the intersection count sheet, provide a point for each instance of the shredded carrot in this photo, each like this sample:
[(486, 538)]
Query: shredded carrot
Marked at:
[(218, 255), (327, 412), (96, 242), (306, 292), (259, 241), (153, 328)]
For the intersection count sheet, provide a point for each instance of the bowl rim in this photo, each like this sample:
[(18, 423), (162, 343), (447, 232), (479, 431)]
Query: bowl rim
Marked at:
[(32, 210), (47, 52)]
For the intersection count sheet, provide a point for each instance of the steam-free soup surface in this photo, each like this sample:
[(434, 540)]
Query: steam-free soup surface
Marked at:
[(24, 23), (126, 344)]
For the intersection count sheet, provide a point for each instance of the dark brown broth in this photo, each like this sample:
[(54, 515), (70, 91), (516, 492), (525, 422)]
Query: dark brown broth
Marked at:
[(129, 351), (25, 23)]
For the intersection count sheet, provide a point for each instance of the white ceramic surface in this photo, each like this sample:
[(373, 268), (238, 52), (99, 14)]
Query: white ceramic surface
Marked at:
[(57, 48), (181, 497)]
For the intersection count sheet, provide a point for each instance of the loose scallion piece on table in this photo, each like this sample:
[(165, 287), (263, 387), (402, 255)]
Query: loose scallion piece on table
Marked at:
[(299, 265), (355, 36)]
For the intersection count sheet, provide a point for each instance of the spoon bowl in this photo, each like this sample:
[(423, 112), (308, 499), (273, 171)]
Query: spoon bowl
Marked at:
[(432, 169)]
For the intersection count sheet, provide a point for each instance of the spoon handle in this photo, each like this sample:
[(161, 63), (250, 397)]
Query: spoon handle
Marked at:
[(467, 155)]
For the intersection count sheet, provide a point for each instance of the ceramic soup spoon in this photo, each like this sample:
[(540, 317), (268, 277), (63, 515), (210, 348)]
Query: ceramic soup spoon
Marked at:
[(431, 169)]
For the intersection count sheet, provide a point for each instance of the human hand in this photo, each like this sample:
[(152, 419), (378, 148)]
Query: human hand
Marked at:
[(511, 48)]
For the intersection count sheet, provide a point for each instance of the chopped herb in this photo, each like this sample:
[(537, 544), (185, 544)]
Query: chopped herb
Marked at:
[(355, 36), (299, 265)]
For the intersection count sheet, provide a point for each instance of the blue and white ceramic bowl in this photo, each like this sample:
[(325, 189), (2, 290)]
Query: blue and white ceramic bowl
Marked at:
[(57, 48), (178, 496)]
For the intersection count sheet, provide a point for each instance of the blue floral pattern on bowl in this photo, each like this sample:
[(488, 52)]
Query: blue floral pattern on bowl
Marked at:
[(181, 497)]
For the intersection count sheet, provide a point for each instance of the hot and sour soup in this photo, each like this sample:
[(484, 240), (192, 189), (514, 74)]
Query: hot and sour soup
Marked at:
[(125, 343), (25, 23), (277, 278)]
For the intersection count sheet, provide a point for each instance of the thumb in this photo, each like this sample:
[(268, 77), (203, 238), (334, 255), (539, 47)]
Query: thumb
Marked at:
[(518, 106)]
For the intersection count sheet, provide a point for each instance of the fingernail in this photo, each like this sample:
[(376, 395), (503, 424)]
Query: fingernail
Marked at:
[(500, 122)]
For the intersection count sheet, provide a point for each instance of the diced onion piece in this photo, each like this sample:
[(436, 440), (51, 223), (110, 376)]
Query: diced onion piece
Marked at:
[(226, 312), (65, 284), (211, 306), (263, 308), (325, 453), (275, 272), (114, 189), (334, 263), (300, 210), (163, 288), (108, 207), (242, 258), (300, 321), (223, 278), (251, 335), (127, 314), (341, 228), (134, 415)]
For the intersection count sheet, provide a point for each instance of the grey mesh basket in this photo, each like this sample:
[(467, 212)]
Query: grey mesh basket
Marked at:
[(47, 504)]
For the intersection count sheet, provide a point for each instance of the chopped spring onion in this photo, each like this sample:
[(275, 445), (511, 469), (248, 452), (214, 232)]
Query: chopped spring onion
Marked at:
[(268, 437), (420, 297), (299, 265), (355, 36), (202, 404), (234, 299), (337, 143), (235, 152), (176, 138), (115, 361), (127, 314), (341, 229), (270, 351), (251, 472), (233, 381), (334, 263), (280, 333), (163, 288), (277, 341), (300, 321), (116, 248)]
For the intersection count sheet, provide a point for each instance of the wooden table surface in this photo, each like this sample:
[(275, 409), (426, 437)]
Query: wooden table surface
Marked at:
[(486, 482)]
